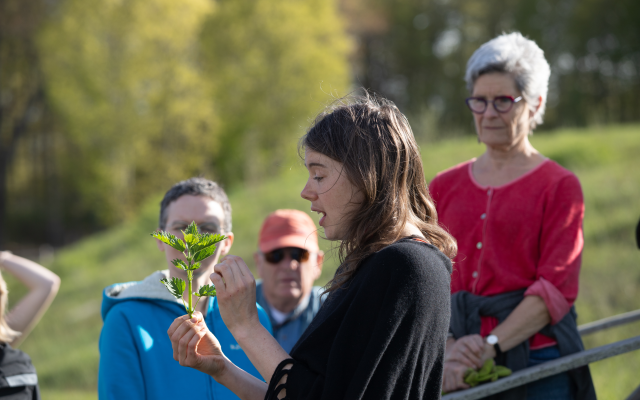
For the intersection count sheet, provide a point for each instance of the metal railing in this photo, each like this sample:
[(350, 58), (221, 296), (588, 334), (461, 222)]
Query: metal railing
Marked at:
[(562, 364)]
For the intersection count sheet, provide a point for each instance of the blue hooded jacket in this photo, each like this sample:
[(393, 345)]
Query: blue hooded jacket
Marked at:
[(136, 358)]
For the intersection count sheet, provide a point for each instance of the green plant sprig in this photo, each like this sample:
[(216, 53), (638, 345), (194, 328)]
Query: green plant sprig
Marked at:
[(196, 247), (490, 372)]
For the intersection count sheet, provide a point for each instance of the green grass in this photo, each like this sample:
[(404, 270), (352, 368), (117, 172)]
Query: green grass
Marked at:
[(64, 346)]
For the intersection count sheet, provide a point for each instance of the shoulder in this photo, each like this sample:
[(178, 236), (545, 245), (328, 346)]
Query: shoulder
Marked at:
[(556, 173), (131, 308), (559, 180), (410, 262)]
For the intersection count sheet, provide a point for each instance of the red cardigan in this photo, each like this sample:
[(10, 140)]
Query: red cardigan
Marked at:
[(526, 234)]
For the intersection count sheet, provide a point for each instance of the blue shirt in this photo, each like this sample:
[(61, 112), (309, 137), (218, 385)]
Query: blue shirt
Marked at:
[(289, 331)]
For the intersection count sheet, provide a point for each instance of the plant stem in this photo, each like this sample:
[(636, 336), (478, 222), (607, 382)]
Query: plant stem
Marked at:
[(190, 296), (185, 305)]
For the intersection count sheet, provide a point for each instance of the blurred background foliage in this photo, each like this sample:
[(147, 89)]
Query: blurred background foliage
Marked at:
[(106, 104), (96, 98)]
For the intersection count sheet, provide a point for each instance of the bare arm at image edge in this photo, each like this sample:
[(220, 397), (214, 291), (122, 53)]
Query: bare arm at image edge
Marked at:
[(43, 286)]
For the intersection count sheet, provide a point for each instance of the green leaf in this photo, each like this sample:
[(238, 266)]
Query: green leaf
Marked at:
[(190, 239), (192, 229), (194, 266), (206, 290), (180, 264), (175, 286), (206, 240), (486, 367), (191, 235), (204, 253), (166, 237)]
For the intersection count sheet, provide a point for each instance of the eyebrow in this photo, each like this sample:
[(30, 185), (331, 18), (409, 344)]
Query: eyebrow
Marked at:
[(315, 164), (180, 222)]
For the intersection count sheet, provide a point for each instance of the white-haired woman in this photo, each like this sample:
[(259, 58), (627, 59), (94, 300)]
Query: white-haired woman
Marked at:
[(19, 379), (517, 217)]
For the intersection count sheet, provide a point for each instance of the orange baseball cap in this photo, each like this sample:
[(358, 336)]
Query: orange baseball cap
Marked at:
[(288, 228)]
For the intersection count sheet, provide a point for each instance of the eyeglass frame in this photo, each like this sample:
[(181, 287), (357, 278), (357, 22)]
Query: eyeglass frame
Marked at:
[(305, 255), (486, 103)]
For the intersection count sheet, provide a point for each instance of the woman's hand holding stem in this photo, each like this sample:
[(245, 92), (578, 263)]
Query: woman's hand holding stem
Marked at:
[(194, 346)]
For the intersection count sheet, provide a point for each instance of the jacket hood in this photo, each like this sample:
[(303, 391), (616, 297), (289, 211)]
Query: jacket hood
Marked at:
[(150, 288)]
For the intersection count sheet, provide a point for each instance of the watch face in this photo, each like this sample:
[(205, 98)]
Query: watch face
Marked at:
[(492, 339)]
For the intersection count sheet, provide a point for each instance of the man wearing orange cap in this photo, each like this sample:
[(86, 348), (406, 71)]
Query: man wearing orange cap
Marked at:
[(288, 262)]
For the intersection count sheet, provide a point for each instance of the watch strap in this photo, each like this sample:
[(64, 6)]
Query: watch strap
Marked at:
[(497, 349)]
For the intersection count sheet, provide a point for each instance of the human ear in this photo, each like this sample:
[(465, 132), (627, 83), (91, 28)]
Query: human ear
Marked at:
[(259, 264), (320, 260), (160, 245), (532, 113), (225, 245)]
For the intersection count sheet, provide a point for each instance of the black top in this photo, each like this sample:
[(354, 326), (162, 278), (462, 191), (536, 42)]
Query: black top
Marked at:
[(18, 379), (380, 337)]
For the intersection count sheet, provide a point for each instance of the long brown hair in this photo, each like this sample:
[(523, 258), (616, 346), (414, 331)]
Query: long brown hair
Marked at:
[(380, 157)]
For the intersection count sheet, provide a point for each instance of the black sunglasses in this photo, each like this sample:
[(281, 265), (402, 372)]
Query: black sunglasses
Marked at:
[(277, 255)]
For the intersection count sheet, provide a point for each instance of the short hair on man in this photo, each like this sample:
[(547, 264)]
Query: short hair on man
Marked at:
[(196, 187)]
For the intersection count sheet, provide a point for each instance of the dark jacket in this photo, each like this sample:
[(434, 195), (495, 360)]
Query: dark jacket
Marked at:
[(18, 379), (380, 337), (466, 309)]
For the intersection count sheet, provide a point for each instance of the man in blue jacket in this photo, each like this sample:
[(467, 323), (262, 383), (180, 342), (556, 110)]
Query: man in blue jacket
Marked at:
[(136, 358)]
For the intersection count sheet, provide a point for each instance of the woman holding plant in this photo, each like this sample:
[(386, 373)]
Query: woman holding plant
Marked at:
[(381, 332), (517, 217)]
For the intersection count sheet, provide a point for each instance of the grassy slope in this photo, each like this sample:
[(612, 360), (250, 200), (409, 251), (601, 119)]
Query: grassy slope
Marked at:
[(64, 346)]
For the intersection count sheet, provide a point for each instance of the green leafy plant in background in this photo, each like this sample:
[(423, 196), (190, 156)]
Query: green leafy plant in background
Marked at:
[(196, 247), (489, 372)]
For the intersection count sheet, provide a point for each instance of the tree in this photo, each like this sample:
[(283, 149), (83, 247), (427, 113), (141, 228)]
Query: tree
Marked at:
[(124, 77), (21, 91), (419, 60), (272, 64)]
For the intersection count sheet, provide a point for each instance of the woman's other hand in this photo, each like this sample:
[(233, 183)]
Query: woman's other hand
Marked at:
[(453, 378), (236, 292), (195, 346), (468, 351)]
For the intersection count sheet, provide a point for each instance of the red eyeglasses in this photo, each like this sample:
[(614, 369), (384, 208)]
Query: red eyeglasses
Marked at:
[(501, 104)]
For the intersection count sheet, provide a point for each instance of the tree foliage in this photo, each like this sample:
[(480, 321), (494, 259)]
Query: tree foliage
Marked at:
[(417, 56), (272, 64), (127, 83)]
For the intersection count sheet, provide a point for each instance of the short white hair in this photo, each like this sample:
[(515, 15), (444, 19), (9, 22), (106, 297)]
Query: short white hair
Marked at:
[(521, 57)]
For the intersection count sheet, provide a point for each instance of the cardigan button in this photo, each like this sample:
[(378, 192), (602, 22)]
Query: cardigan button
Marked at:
[(475, 274), (479, 245), (483, 216)]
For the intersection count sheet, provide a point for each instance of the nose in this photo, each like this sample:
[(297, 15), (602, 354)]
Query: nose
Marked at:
[(490, 111), (307, 193), (291, 263)]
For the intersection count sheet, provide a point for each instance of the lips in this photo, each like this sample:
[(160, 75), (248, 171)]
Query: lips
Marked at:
[(320, 212)]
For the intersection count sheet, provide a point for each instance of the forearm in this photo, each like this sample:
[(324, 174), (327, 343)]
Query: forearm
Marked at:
[(241, 383), (527, 319), (43, 286), (264, 352), (31, 274)]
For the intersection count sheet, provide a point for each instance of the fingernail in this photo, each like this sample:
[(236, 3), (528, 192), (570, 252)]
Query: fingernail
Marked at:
[(194, 320)]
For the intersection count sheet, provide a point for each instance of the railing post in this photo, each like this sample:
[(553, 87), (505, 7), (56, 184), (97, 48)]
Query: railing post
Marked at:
[(635, 395)]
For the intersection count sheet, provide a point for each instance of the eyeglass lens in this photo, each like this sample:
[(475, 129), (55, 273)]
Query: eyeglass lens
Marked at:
[(501, 104), (275, 256)]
